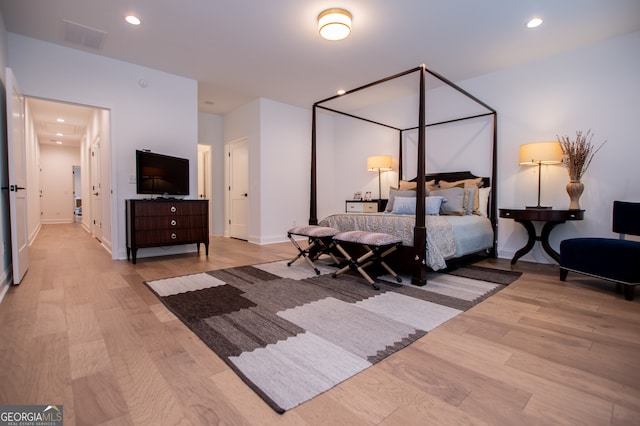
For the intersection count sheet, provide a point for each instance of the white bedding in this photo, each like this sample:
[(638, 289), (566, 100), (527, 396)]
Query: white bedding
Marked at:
[(447, 236)]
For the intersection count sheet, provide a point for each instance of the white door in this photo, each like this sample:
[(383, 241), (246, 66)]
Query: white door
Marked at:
[(17, 178), (238, 189), (96, 195)]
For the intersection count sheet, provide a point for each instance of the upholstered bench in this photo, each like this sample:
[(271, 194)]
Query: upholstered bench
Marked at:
[(320, 240), (377, 246)]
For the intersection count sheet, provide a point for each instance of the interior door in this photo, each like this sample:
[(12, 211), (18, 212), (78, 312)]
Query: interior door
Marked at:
[(96, 195), (239, 189), (17, 178)]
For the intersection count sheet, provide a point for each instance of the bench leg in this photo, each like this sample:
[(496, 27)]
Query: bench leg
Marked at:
[(356, 265), (304, 253), (383, 263), (372, 256)]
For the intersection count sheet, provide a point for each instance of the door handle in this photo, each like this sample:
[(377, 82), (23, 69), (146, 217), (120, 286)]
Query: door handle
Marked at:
[(245, 195), (96, 194), (15, 188)]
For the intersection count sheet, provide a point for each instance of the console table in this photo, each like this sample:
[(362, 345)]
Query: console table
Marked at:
[(551, 217), (163, 222)]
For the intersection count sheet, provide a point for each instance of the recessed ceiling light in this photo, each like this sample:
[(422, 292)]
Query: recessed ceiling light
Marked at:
[(58, 142), (132, 19), (341, 92), (535, 22), (59, 134), (60, 120)]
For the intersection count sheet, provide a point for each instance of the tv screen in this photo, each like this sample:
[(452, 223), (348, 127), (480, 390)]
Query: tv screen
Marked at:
[(158, 174)]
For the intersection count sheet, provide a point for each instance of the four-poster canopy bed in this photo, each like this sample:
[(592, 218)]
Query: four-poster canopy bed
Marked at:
[(412, 256)]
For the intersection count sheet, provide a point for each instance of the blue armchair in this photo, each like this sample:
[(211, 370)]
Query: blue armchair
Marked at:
[(611, 259)]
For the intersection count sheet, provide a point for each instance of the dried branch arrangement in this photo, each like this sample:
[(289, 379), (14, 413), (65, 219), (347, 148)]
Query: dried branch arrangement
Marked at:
[(577, 154)]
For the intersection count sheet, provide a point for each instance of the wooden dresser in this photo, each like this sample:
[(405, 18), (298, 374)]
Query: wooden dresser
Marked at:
[(162, 222)]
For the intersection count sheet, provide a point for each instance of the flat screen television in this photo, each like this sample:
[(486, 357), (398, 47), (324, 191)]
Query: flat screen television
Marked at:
[(158, 174)]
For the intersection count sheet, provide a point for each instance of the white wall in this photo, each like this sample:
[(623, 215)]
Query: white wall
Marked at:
[(56, 183), (285, 159), (278, 137), (211, 133), (590, 88), (162, 116), (244, 122), (33, 165), (595, 88)]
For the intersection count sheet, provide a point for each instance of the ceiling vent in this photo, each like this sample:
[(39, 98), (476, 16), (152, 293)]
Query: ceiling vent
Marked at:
[(83, 35)]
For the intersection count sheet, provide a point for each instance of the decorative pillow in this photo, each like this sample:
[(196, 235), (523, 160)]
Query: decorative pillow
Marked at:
[(407, 205), (404, 205), (393, 193), (466, 183), (432, 205), (455, 201), (484, 201), (407, 184)]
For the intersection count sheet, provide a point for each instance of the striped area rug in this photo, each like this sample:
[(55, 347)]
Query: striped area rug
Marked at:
[(292, 335)]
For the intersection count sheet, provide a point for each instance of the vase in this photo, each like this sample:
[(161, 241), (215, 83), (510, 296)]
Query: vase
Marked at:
[(574, 189)]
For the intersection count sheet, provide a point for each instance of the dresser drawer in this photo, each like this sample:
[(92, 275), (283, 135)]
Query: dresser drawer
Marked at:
[(143, 223)]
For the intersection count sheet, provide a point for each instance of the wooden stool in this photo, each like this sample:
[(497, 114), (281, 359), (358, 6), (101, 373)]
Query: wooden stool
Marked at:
[(320, 242), (378, 245)]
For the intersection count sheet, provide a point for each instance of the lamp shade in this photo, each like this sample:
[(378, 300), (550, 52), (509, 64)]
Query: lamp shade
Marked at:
[(532, 154), (334, 24), (379, 163)]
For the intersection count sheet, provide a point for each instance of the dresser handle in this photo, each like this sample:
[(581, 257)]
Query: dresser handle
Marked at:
[(173, 236), (173, 222), (173, 209)]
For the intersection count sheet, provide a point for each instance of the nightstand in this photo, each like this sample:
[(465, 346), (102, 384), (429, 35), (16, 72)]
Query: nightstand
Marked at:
[(361, 206), (551, 219)]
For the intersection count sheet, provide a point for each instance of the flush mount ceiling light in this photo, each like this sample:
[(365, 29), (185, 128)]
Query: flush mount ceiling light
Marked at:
[(334, 24), (132, 19), (535, 22)]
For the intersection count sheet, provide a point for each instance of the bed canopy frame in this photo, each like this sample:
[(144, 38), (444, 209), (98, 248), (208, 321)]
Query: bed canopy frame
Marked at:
[(420, 233)]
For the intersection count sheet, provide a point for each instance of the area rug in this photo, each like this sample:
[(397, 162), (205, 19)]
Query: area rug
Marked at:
[(291, 334)]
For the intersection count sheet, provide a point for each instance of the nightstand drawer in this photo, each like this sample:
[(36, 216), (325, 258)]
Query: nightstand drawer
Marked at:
[(361, 206)]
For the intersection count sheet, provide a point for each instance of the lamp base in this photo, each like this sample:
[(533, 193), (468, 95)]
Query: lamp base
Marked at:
[(539, 207)]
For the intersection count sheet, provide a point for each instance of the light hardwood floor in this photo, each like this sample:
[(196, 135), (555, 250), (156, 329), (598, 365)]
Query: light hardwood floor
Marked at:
[(84, 331)]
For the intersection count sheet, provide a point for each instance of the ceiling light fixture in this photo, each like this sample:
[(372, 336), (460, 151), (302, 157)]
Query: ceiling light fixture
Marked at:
[(60, 120), (132, 19), (341, 92), (535, 22), (334, 24)]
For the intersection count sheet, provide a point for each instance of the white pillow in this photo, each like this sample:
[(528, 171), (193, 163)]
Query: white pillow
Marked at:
[(484, 201)]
